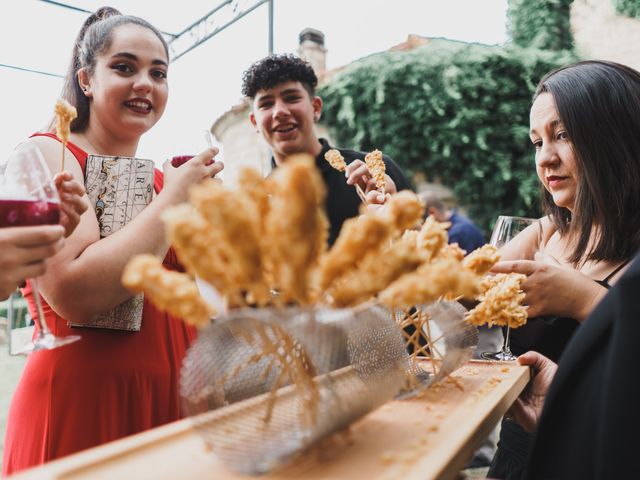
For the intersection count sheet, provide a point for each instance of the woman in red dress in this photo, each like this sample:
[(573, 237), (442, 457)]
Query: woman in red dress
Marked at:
[(111, 383)]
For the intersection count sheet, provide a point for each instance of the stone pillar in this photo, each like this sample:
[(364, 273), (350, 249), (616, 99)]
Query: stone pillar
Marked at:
[(311, 48), (242, 145)]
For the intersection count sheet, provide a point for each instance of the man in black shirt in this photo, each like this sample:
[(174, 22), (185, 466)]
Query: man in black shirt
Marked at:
[(284, 110)]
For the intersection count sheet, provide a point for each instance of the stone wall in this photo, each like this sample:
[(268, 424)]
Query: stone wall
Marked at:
[(602, 34), (242, 145)]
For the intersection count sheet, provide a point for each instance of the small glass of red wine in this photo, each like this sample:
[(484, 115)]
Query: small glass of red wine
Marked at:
[(180, 159), (28, 197)]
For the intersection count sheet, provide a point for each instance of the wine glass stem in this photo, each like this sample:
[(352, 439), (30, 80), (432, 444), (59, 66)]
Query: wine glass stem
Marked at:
[(505, 346), (42, 325)]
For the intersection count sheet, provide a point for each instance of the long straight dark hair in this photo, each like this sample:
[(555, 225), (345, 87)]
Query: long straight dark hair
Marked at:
[(599, 104), (93, 39)]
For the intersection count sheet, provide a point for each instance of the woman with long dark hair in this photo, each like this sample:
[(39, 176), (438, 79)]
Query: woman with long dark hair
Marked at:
[(584, 126)]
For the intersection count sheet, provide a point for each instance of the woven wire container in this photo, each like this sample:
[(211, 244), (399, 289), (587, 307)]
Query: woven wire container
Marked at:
[(264, 384)]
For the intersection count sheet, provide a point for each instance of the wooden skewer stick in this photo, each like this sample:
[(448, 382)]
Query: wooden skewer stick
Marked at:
[(431, 346), (336, 160), (65, 114), (361, 194)]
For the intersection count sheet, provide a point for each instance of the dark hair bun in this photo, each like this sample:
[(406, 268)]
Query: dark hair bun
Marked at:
[(97, 16)]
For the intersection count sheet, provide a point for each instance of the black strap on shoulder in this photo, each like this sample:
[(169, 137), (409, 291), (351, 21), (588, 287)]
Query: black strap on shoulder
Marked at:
[(605, 282)]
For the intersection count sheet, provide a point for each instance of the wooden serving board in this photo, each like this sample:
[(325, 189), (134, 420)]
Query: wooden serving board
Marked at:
[(431, 437)]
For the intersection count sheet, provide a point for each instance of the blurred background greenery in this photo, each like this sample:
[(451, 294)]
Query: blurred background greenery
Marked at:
[(457, 113)]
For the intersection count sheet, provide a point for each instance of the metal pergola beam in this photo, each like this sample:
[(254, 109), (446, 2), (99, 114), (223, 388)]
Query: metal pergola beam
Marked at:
[(224, 15), (83, 10)]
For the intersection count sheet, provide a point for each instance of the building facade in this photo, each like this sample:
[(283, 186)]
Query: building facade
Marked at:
[(599, 33)]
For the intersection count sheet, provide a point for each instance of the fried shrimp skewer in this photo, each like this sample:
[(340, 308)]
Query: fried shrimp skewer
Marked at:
[(234, 216), (296, 228), (376, 167), (501, 302), (65, 114), (482, 259), (336, 160), (192, 236), (430, 282), (173, 292)]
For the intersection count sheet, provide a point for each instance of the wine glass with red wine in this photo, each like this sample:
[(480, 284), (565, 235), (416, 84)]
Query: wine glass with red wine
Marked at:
[(28, 197)]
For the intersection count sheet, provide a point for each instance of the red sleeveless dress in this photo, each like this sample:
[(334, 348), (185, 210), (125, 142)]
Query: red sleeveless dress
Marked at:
[(106, 386)]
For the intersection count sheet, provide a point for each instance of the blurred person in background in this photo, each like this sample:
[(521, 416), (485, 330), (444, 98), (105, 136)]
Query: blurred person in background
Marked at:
[(461, 231)]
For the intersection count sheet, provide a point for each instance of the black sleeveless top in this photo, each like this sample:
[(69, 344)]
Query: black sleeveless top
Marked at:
[(549, 335)]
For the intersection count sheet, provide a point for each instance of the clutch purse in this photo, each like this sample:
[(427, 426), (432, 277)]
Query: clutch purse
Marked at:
[(119, 188)]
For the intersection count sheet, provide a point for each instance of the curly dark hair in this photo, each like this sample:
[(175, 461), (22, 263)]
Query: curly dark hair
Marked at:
[(276, 69)]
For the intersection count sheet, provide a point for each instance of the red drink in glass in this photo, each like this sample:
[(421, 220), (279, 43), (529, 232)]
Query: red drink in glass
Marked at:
[(23, 213), (29, 198), (180, 159)]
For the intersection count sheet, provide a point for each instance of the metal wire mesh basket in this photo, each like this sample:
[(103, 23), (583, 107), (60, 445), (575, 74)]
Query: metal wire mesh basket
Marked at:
[(286, 378), (439, 333)]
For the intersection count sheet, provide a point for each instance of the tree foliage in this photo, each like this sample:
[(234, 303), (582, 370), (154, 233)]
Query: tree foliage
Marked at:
[(628, 8), (543, 24), (457, 112)]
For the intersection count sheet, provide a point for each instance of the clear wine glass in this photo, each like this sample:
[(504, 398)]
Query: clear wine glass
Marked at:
[(505, 230), (28, 197)]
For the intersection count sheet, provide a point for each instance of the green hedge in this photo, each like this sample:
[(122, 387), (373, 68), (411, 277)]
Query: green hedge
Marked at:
[(628, 8), (543, 24), (457, 112)]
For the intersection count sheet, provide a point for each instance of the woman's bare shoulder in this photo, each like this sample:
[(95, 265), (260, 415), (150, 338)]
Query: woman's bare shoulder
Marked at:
[(51, 149), (546, 230)]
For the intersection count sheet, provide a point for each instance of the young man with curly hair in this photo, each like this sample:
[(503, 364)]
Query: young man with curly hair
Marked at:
[(284, 109)]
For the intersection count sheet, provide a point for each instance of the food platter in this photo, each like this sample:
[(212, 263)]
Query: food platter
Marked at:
[(430, 437)]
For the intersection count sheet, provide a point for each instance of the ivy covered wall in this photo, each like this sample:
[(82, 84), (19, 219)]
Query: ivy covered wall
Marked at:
[(543, 24), (628, 8), (456, 112)]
